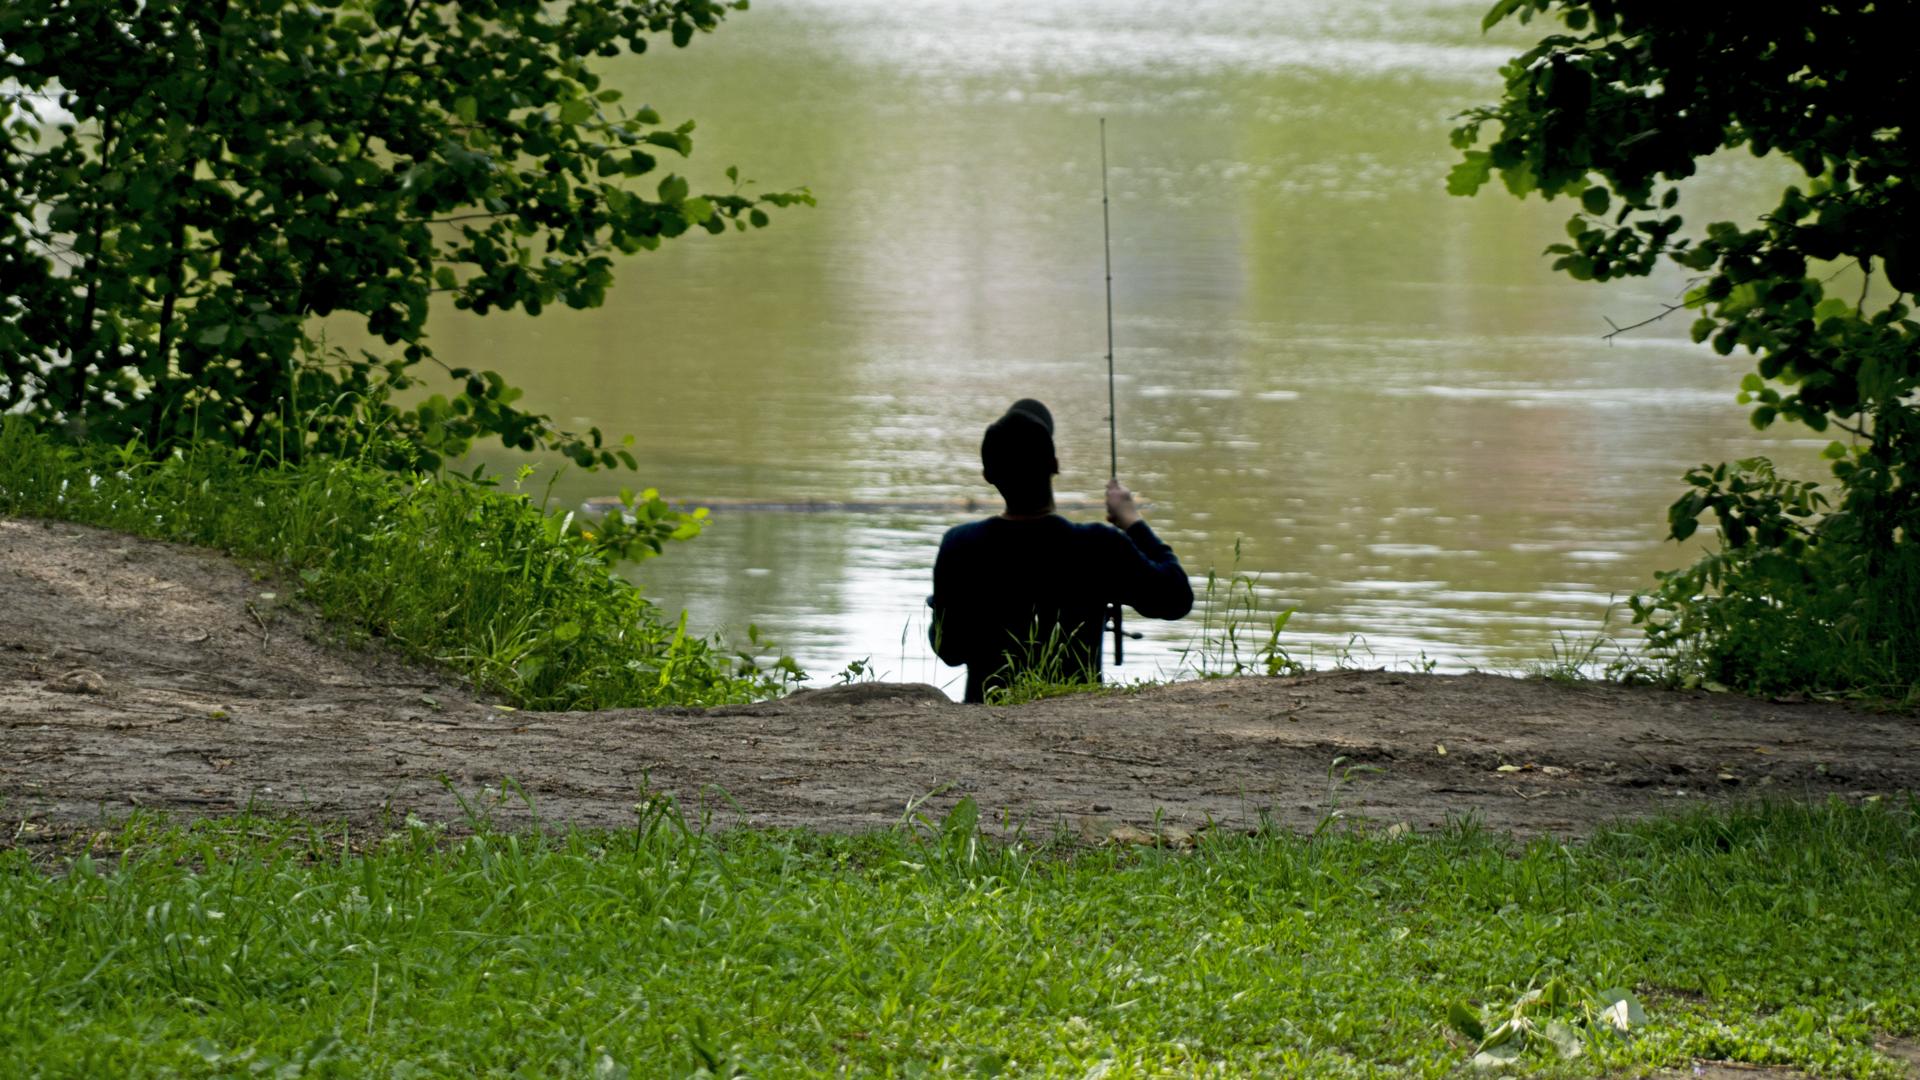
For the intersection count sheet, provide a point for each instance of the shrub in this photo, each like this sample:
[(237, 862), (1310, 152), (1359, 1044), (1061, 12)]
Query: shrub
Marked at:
[(448, 569)]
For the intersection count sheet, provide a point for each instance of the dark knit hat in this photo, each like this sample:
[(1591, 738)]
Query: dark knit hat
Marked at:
[(1018, 447)]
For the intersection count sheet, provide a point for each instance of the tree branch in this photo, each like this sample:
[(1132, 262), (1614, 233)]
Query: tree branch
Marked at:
[(1618, 329), (393, 57), (176, 261), (460, 217), (83, 333)]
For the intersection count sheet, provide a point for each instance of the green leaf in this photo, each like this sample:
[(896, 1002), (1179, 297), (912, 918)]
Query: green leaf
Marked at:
[(577, 111), (1466, 1020), (466, 108), (215, 336), (1511, 1033), (1498, 12), (962, 820), (1466, 178), (673, 190), (1520, 179), (1832, 308), (697, 210), (672, 140), (1595, 200), (566, 631)]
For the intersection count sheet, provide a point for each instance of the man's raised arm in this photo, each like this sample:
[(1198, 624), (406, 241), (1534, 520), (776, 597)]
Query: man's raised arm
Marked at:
[(1149, 575)]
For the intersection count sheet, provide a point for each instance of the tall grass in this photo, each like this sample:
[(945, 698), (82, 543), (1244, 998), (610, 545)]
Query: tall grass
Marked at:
[(448, 571), (1778, 934), (1236, 636), (1045, 667)]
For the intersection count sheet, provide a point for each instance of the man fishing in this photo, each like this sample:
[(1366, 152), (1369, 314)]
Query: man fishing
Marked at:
[(1028, 590)]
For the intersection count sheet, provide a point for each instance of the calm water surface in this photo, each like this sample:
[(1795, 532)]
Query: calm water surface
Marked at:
[(1411, 429)]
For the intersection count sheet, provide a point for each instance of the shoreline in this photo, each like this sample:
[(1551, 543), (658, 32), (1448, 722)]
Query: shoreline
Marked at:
[(141, 675)]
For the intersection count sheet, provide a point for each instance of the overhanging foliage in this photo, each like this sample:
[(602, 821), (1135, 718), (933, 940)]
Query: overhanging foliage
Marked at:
[(1616, 109), (186, 184)]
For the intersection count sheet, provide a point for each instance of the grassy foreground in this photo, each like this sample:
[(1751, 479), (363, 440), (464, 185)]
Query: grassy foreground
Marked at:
[(1768, 934)]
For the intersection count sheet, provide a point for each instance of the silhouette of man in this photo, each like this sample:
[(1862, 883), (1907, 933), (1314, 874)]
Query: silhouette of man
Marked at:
[(1028, 590)]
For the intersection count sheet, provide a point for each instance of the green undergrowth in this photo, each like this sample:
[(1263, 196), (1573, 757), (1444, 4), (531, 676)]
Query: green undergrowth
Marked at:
[(477, 578), (1037, 669), (1767, 933)]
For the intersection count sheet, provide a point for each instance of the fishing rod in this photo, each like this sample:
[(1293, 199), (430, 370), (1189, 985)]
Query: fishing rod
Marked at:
[(1120, 635), (1106, 246)]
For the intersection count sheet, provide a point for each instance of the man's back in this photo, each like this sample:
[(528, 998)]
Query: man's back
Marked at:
[(1014, 593)]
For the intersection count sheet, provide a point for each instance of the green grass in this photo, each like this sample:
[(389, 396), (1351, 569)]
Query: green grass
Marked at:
[(1235, 635), (1577, 658), (1777, 933), (1036, 670), (475, 578)]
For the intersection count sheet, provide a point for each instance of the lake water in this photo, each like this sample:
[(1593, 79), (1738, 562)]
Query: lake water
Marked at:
[(1410, 427)]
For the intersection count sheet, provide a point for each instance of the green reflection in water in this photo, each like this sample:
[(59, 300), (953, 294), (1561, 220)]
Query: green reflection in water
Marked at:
[(1414, 425)]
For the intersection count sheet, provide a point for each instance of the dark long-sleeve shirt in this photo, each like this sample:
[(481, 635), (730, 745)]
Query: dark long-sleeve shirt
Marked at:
[(1034, 593)]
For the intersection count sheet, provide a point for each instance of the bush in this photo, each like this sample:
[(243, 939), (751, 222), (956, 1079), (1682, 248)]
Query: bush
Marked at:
[(447, 568), (1614, 109), (1792, 600)]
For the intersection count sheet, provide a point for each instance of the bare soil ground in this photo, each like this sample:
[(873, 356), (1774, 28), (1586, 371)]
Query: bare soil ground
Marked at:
[(136, 674)]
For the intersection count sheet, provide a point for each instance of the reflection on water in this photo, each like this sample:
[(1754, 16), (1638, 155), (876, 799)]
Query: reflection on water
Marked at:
[(1413, 429)]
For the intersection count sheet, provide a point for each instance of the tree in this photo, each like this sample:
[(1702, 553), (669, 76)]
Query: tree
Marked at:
[(1615, 109), (185, 184)]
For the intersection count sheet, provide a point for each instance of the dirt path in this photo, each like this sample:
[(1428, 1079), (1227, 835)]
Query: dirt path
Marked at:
[(137, 674)]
